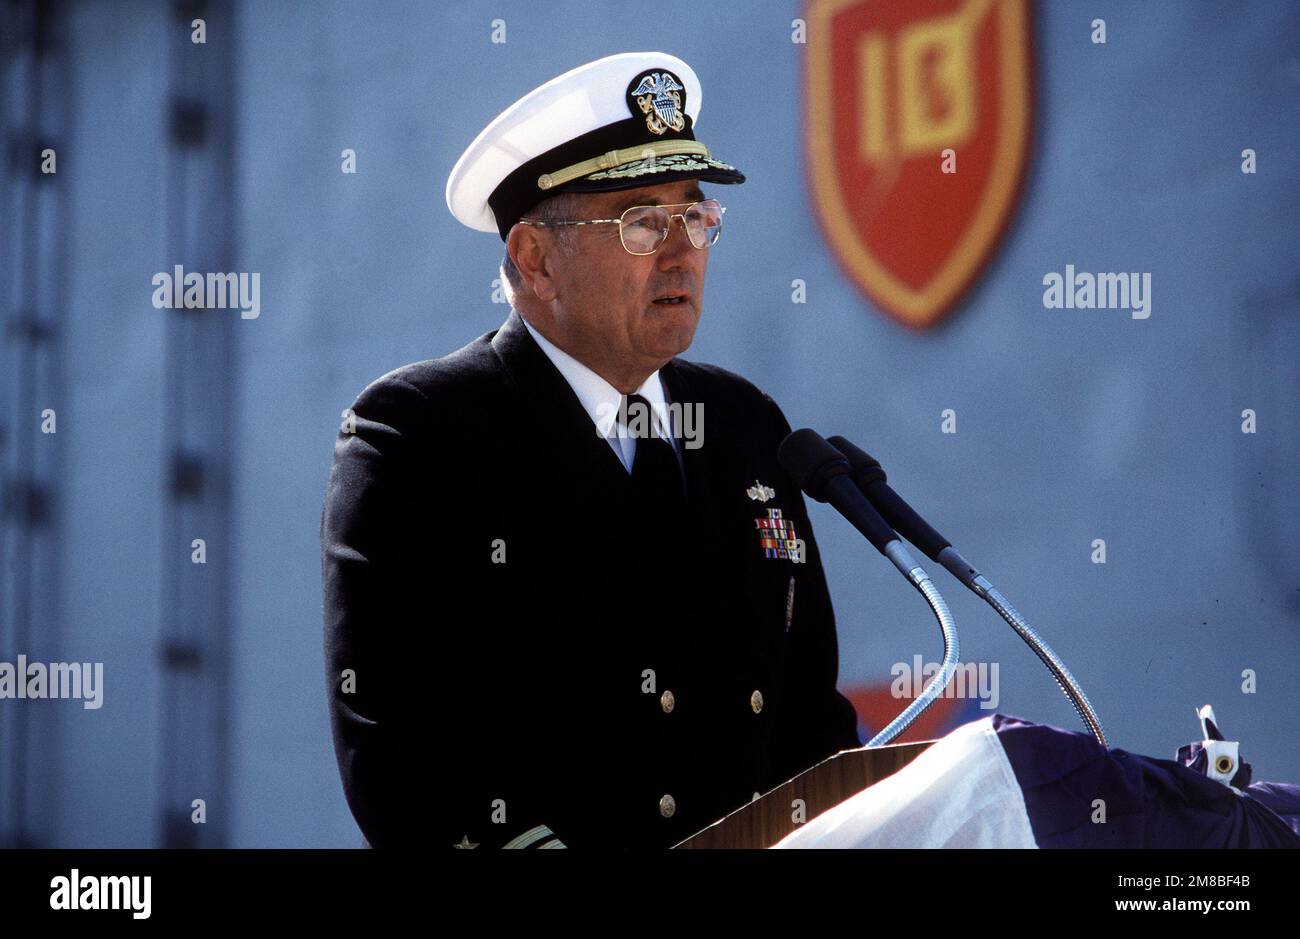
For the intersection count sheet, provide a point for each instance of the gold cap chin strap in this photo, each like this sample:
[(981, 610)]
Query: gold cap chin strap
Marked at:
[(615, 158)]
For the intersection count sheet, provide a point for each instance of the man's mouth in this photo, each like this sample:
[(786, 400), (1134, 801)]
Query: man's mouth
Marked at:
[(671, 299)]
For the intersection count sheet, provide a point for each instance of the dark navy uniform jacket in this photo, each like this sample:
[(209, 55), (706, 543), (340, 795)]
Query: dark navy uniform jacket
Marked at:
[(532, 662)]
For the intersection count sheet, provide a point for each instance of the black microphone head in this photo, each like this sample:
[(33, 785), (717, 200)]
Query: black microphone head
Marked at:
[(811, 461), (865, 468), (870, 479)]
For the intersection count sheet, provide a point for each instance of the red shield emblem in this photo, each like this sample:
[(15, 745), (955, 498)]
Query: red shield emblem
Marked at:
[(918, 126)]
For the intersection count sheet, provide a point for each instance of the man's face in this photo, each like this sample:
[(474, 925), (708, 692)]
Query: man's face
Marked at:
[(609, 306)]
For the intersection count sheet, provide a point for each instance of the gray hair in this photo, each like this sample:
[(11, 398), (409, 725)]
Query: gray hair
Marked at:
[(558, 207)]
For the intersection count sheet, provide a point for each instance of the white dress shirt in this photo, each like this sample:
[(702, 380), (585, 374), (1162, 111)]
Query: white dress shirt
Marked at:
[(601, 400)]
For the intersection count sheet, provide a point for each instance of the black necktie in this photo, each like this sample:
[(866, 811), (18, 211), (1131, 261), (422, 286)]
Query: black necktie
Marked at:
[(656, 474)]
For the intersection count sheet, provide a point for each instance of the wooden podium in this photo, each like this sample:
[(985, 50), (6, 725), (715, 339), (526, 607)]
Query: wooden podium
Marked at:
[(768, 819)]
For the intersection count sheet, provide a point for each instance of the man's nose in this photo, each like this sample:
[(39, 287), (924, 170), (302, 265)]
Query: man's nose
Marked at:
[(678, 242)]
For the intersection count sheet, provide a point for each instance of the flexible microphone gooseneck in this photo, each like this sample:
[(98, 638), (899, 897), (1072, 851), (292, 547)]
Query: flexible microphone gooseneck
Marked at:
[(823, 473), (871, 483)]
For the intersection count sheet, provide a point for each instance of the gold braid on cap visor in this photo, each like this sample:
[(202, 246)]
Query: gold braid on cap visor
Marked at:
[(615, 158)]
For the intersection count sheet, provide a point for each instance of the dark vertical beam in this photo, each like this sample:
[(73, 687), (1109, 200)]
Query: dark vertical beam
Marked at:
[(34, 115), (200, 367)]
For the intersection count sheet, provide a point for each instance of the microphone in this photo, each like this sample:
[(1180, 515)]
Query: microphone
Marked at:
[(871, 482), (823, 473)]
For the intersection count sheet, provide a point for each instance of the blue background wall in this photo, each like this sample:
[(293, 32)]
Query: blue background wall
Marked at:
[(1072, 424)]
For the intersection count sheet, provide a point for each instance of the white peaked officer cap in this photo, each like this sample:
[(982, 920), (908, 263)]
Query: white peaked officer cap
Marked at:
[(621, 122)]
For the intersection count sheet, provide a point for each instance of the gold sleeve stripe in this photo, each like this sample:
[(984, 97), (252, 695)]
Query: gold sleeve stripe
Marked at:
[(532, 835)]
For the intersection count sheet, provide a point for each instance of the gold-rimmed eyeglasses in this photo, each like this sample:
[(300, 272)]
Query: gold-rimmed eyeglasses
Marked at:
[(643, 228)]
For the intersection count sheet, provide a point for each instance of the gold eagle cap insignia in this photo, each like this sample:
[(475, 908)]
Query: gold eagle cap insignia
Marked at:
[(659, 99)]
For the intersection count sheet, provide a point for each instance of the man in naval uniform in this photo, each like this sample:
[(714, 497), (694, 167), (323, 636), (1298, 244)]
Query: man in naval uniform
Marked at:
[(571, 598)]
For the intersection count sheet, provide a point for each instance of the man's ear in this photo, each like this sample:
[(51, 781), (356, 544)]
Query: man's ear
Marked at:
[(530, 249)]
